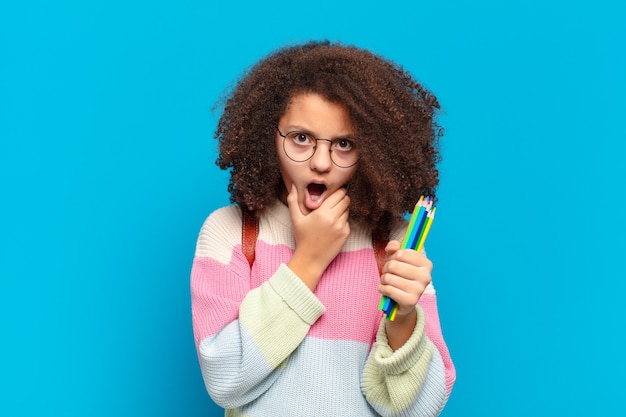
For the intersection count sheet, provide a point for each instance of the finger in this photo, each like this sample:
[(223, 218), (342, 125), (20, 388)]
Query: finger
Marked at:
[(336, 198), (343, 206), (392, 280), (401, 296), (409, 256), (409, 271), (338, 204), (391, 284), (292, 203), (345, 213)]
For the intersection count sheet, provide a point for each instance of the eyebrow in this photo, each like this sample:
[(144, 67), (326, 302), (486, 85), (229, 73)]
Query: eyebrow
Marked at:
[(296, 128)]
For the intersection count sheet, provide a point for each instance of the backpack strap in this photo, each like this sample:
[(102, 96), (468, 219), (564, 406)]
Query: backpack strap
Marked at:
[(250, 232)]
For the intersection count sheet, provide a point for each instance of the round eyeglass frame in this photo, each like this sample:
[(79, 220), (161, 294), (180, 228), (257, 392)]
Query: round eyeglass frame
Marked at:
[(332, 141)]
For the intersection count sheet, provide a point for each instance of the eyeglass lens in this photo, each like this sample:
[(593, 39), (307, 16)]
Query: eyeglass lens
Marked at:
[(301, 147)]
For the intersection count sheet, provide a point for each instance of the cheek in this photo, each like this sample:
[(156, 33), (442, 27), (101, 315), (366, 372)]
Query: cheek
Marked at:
[(286, 179), (349, 174)]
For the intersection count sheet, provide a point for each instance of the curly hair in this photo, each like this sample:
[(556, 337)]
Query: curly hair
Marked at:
[(392, 114)]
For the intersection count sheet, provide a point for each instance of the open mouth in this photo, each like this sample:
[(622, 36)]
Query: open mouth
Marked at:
[(315, 190)]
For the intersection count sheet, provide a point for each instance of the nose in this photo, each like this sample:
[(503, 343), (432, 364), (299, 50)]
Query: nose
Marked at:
[(321, 161)]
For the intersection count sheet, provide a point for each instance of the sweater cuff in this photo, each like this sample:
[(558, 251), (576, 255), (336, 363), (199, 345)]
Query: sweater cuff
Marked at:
[(410, 355), (296, 295)]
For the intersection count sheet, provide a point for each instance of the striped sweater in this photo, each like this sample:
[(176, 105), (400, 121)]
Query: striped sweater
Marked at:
[(268, 346)]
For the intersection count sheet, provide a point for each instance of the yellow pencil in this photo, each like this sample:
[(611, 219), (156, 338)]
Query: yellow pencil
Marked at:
[(387, 305)]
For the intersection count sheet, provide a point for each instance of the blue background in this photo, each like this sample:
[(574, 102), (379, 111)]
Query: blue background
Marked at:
[(107, 172)]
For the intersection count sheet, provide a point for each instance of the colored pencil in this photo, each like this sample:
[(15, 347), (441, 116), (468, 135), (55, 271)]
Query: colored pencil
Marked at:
[(414, 238)]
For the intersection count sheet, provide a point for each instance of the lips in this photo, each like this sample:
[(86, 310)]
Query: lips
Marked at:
[(315, 195)]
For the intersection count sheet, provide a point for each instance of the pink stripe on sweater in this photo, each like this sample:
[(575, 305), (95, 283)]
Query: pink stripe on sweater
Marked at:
[(216, 293), (351, 299)]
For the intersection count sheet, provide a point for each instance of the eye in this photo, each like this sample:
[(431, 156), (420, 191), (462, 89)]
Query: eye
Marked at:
[(300, 138), (343, 145)]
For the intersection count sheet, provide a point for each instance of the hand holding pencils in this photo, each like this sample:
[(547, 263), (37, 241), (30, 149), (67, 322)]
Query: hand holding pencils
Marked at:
[(414, 238)]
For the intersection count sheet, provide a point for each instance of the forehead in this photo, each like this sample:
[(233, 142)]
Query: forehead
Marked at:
[(315, 113)]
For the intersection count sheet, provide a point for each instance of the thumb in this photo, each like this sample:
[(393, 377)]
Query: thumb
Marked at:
[(392, 247)]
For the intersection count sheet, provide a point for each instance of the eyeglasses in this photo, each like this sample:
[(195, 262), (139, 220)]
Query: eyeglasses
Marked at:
[(301, 146)]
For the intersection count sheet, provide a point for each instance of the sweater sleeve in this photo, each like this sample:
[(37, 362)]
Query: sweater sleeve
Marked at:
[(415, 380), (236, 327), (409, 381)]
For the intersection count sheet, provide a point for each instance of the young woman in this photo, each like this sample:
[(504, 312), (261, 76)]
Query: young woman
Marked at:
[(329, 146)]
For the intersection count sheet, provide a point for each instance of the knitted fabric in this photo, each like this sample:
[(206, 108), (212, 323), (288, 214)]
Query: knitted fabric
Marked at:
[(268, 346)]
